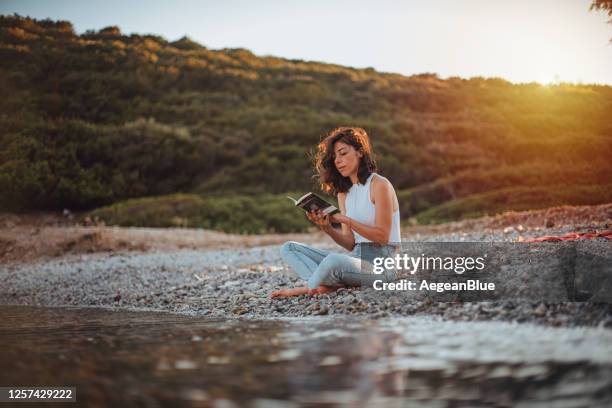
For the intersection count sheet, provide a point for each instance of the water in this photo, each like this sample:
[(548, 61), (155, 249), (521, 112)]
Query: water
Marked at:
[(147, 359)]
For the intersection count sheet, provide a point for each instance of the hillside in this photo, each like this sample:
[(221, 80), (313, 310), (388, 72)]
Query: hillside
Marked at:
[(99, 118)]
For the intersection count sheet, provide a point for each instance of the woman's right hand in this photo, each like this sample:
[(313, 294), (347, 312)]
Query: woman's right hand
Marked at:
[(319, 218)]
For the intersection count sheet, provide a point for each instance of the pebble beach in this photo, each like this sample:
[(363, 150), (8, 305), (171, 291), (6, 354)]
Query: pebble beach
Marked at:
[(236, 283)]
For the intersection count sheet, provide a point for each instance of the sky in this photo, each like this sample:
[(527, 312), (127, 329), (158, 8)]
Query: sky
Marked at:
[(547, 41)]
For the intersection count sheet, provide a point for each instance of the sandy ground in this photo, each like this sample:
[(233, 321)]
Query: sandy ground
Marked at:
[(31, 237), (30, 240)]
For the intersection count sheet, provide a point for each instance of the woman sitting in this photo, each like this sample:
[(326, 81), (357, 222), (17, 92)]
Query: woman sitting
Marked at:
[(369, 217)]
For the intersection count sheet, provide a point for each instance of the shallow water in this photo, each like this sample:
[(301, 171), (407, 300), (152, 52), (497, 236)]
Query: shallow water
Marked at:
[(147, 359)]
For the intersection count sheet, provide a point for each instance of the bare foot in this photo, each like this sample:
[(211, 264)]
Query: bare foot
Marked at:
[(323, 289), (289, 292), (303, 291)]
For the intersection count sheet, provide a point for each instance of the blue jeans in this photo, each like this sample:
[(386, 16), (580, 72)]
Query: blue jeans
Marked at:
[(320, 267)]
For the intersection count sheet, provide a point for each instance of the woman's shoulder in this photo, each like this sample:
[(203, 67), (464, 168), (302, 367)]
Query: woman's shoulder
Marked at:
[(380, 181), (381, 186)]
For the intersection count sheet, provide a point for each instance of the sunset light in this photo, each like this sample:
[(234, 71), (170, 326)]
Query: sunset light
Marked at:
[(272, 203), (521, 41)]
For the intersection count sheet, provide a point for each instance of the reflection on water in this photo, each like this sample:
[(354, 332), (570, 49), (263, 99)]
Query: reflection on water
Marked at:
[(157, 359)]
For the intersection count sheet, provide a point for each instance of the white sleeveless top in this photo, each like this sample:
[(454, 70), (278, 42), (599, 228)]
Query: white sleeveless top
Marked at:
[(360, 208)]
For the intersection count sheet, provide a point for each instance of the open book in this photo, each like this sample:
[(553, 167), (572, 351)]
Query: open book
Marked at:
[(312, 202)]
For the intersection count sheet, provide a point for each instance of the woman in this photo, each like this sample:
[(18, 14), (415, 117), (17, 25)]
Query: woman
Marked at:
[(369, 218)]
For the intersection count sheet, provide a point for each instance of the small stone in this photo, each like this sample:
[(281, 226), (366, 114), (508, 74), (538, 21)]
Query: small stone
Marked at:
[(184, 365), (217, 360), (540, 310), (195, 395), (330, 361)]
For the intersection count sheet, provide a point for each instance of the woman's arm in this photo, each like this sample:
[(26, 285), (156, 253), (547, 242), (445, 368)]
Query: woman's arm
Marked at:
[(343, 236), (384, 194)]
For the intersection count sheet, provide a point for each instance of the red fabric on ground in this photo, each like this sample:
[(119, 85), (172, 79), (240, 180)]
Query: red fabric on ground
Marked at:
[(571, 236)]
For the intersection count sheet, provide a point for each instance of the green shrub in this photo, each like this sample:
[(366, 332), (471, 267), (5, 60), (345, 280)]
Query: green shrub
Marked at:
[(99, 118), (235, 214)]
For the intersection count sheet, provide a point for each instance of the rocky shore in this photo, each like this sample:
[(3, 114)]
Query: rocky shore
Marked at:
[(236, 283)]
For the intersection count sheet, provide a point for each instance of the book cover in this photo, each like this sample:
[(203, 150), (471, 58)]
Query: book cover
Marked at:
[(312, 202)]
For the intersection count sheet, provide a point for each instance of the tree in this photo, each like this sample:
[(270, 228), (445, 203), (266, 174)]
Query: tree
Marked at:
[(603, 5)]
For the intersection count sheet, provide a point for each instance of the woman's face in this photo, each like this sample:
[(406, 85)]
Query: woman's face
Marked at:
[(346, 158)]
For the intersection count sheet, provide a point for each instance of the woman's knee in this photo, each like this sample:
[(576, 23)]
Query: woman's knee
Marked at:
[(287, 249), (287, 246)]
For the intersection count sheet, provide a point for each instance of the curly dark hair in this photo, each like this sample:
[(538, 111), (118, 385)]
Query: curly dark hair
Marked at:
[(329, 178)]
